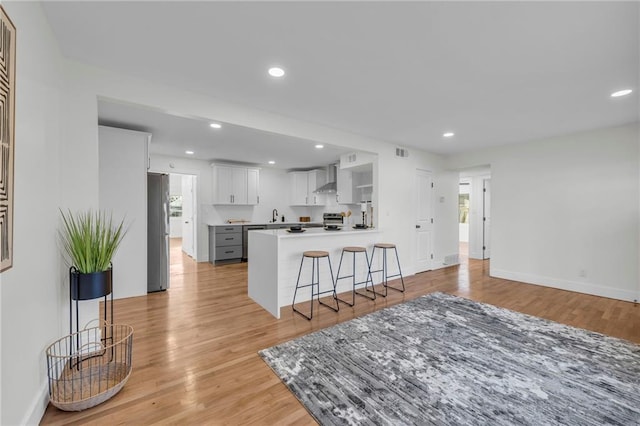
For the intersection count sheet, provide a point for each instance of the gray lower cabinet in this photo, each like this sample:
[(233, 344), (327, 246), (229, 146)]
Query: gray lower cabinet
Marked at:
[(225, 243)]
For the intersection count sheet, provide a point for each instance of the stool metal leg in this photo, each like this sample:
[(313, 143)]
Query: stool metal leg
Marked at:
[(385, 272), (333, 282), (315, 287), (338, 277), (293, 305), (353, 279), (399, 270), (369, 279), (399, 274)]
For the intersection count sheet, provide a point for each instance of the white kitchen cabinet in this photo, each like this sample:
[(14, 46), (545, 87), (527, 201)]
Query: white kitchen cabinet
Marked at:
[(298, 188), (316, 178), (302, 186), (235, 185), (344, 191), (253, 186)]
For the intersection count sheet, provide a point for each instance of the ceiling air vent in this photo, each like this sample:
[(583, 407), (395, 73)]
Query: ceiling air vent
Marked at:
[(402, 152)]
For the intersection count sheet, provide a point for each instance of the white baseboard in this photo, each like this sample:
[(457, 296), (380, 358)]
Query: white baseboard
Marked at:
[(441, 264), (38, 406), (577, 286), (435, 265)]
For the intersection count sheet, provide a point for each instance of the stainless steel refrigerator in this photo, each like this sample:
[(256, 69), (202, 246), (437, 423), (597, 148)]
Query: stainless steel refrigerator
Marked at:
[(157, 232)]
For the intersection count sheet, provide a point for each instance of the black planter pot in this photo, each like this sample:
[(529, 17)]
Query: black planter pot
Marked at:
[(89, 286)]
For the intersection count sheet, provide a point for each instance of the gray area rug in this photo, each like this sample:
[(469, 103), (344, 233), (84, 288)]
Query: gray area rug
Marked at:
[(445, 360)]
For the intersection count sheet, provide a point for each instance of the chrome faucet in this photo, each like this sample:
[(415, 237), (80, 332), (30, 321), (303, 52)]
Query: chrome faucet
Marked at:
[(274, 215)]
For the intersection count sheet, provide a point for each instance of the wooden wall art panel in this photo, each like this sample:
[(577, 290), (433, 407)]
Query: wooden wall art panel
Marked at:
[(7, 136)]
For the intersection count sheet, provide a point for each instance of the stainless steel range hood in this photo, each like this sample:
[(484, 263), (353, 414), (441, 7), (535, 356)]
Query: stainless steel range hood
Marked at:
[(330, 186)]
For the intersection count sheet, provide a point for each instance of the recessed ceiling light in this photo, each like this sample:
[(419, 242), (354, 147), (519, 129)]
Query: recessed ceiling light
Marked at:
[(276, 72), (619, 93), (448, 134), (189, 152), (319, 146), (272, 162), (215, 125)]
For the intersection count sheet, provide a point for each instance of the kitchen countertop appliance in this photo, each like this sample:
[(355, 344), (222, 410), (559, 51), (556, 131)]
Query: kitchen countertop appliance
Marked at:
[(332, 221)]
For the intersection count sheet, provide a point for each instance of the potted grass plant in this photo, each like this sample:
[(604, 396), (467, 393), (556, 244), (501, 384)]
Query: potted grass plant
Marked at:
[(90, 239)]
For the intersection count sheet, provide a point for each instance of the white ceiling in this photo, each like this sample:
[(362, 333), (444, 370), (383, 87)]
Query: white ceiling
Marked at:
[(404, 72), (173, 135)]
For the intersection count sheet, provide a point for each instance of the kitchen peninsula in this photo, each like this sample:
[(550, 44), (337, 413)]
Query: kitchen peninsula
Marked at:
[(275, 261)]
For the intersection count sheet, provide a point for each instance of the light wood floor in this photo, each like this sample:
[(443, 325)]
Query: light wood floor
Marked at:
[(195, 346)]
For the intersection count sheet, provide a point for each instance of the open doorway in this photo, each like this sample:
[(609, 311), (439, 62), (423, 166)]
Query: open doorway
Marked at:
[(182, 226), (463, 219), (474, 212)]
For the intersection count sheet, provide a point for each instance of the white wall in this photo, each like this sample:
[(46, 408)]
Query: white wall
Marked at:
[(396, 206), (34, 293), (565, 211), (445, 202), (175, 184), (123, 194)]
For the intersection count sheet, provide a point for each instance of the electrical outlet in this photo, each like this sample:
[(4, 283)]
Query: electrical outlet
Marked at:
[(582, 273)]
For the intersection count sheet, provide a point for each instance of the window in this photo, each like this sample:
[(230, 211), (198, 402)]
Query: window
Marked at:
[(463, 202), (175, 205)]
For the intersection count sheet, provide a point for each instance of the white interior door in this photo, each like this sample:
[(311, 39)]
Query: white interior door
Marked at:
[(486, 215), (187, 215), (424, 221)]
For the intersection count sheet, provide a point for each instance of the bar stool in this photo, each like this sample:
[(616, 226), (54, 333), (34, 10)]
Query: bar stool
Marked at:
[(385, 271), (315, 257), (355, 250)]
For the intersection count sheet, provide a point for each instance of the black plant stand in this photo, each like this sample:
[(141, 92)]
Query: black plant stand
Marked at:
[(88, 287)]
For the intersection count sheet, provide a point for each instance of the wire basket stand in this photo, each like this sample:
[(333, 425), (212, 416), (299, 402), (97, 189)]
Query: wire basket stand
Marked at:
[(84, 370)]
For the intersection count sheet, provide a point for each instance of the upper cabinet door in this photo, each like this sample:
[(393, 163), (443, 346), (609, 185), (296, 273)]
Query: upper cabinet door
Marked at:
[(298, 188), (303, 186), (253, 186), (222, 185), (239, 185), (235, 185), (316, 179)]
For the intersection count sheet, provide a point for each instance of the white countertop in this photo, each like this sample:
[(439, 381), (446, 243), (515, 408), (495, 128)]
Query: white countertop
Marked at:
[(264, 223), (314, 232)]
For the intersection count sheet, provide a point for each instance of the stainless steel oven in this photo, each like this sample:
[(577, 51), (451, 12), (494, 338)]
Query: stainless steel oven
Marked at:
[(332, 221)]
